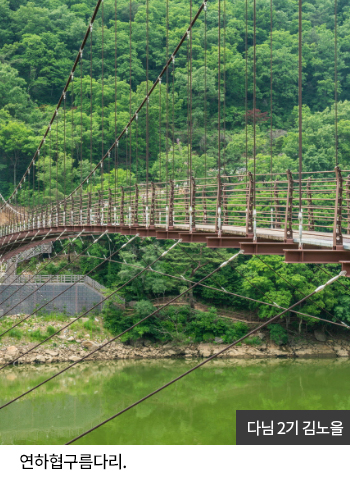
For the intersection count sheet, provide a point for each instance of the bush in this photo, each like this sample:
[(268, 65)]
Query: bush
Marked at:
[(37, 335), (56, 316), (91, 326), (278, 334), (16, 333), (50, 330), (252, 341), (236, 331)]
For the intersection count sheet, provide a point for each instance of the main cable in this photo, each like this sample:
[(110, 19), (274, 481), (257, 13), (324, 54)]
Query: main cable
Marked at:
[(227, 292), (108, 342), (199, 365), (65, 326), (41, 307)]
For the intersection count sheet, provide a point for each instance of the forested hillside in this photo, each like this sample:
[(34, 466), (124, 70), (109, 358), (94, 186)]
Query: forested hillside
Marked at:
[(39, 41)]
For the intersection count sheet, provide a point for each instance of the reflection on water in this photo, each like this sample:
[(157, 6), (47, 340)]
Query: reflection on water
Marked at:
[(199, 409)]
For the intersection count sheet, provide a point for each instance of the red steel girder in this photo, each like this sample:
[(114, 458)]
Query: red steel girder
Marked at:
[(144, 232), (128, 230), (227, 241), (308, 256), (168, 235), (267, 248), (345, 266), (196, 237)]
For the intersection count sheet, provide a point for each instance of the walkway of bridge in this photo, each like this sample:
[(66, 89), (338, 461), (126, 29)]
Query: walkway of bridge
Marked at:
[(216, 211)]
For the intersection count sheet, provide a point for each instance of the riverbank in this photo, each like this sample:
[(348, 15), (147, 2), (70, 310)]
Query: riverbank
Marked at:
[(87, 334), (72, 351)]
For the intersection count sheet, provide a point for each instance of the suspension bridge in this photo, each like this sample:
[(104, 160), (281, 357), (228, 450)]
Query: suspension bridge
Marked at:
[(303, 215)]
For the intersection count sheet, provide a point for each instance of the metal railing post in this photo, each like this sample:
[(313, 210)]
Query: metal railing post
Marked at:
[(121, 206), (249, 226), (337, 229), (218, 207), (310, 210), (153, 205), (171, 206), (288, 229), (193, 206), (136, 206)]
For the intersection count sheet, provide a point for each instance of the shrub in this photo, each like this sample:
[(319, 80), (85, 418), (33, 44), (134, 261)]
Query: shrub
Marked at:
[(37, 335), (236, 331), (252, 341), (91, 326), (16, 333), (278, 334)]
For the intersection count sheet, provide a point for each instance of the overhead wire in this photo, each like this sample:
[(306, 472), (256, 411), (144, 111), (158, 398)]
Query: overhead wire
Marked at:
[(227, 292), (146, 99), (199, 365), (296, 289), (85, 312), (43, 284), (108, 342)]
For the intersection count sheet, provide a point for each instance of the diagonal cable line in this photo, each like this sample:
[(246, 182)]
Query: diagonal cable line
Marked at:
[(298, 291), (27, 267), (199, 365), (45, 282), (227, 292), (61, 293), (128, 329)]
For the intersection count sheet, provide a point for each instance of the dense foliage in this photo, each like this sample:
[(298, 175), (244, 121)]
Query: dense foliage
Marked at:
[(267, 279), (38, 42)]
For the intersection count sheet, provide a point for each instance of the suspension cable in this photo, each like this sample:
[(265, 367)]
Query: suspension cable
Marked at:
[(300, 94), (336, 79), (227, 292), (202, 363), (45, 283), (146, 99), (271, 87), (254, 105), (111, 340), (55, 333)]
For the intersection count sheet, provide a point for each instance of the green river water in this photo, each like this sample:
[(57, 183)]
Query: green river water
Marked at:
[(199, 409)]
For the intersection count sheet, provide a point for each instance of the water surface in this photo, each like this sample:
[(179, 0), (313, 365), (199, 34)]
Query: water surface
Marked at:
[(199, 409)]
